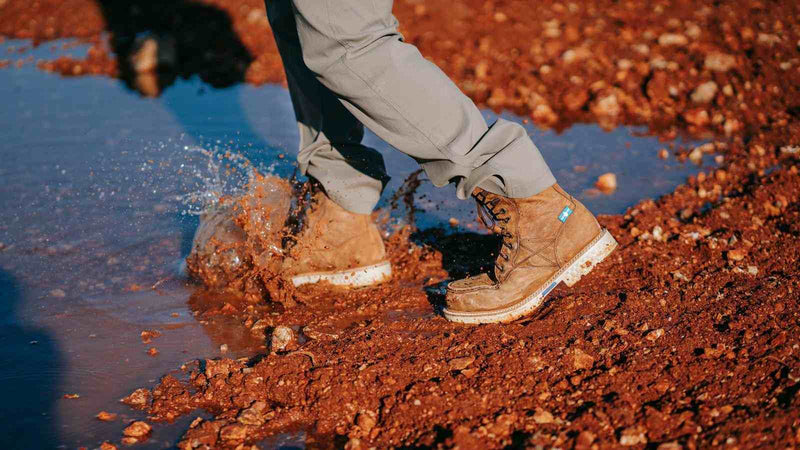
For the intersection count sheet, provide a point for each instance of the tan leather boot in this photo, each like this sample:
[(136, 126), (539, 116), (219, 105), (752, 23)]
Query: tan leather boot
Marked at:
[(337, 246), (547, 238)]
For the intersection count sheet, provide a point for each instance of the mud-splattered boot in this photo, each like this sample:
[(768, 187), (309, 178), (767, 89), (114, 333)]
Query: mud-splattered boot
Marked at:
[(547, 238), (337, 246)]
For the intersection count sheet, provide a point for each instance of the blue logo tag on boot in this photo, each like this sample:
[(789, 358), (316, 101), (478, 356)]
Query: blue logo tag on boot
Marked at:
[(565, 213)]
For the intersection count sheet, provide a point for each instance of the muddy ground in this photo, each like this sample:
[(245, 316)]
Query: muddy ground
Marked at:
[(686, 337)]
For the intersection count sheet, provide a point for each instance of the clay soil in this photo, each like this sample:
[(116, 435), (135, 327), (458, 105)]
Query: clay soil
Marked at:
[(687, 336)]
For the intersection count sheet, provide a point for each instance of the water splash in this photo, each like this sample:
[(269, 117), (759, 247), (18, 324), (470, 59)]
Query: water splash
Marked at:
[(215, 175)]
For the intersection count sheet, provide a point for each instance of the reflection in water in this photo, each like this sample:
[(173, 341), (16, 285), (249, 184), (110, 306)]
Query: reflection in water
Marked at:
[(160, 41)]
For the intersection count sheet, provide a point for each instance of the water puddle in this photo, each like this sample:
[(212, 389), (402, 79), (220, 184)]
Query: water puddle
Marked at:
[(95, 179)]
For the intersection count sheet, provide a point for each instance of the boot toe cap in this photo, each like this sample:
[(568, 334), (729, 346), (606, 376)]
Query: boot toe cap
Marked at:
[(469, 294)]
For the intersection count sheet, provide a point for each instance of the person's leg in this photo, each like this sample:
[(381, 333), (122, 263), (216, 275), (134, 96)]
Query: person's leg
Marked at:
[(354, 49), (352, 174), (340, 242)]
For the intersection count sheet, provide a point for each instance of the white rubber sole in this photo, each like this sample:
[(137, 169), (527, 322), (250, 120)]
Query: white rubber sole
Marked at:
[(571, 273), (358, 277)]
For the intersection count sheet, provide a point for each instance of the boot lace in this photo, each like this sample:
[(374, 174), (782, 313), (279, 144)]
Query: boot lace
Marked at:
[(495, 217)]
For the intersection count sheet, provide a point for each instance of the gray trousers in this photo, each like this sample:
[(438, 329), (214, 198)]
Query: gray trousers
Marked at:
[(347, 66)]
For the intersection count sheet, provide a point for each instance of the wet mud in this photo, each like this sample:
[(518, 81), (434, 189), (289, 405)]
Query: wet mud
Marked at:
[(238, 247), (686, 337)]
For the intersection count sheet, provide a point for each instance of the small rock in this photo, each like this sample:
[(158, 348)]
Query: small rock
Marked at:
[(606, 183), (453, 222), (353, 444), (657, 233), (71, 396), (752, 270), (107, 446), (693, 31), (720, 62), (542, 416), (698, 117), (705, 92), (581, 359), (469, 373), (642, 49), (482, 70), (768, 39), (233, 432), (791, 149), (148, 335), (218, 367), (735, 255), (679, 276), (129, 440), (106, 416), (58, 293), (669, 39), (460, 363), (544, 114), (696, 155), (607, 106), (663, 153), (366, 420), (731, 126), (670, 446), (654, 335), (727, 90), (223, 348), (282, 337), (152, 351), (632, 436), (254, 415), (137, 429), (138, 398)]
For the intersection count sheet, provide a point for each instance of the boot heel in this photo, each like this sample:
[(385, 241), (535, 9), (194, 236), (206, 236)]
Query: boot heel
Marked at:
[(591, 256)]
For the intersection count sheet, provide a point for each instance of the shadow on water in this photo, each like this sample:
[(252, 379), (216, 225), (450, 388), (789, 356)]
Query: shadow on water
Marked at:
[(30, 422)]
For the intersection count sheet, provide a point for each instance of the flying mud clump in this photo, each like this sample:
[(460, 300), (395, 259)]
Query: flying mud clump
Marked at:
[(237, 246)]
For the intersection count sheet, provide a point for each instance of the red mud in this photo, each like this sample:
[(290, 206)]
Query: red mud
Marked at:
[(688, 336)]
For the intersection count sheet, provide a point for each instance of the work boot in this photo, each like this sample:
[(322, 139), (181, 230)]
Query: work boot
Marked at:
[(547, 238), (337, 246)]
